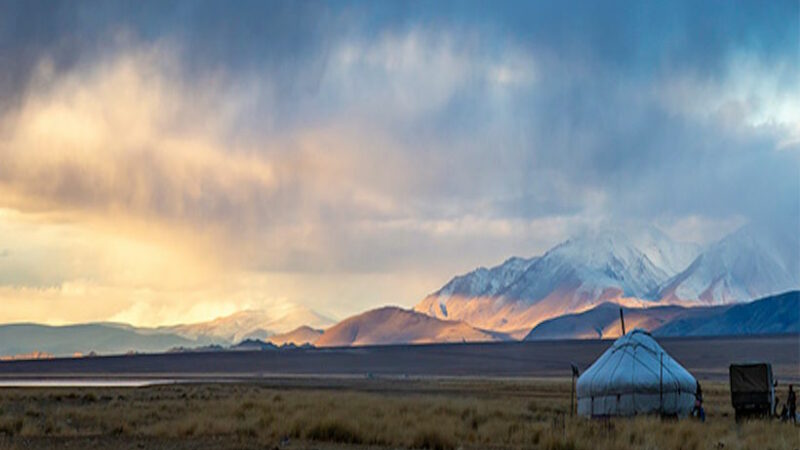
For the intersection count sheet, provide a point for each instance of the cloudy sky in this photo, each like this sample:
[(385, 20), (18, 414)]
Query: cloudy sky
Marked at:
[(170, 162)]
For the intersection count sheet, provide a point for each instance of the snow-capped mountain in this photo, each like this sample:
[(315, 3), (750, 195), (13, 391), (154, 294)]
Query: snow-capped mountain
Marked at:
[(632, 264), (749, 263), (481, 282), (254, 324), (624, 266)]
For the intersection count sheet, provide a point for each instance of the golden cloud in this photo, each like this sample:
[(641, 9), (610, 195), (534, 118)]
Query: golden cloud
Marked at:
[(125, 196), (126, 136)]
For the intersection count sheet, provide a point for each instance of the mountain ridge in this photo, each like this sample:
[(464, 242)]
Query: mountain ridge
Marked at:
[(778, 314), (573, 289)]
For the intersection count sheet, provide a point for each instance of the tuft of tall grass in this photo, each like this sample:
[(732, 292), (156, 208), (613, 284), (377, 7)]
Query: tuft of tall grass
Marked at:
[(334, 431), (432, 439)]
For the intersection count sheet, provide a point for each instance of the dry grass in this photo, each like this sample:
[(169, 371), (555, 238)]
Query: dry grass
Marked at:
[(431, 414)]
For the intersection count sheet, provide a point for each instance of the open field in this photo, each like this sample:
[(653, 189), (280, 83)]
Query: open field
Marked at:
[(365, 413), (470, 396), (706, 358)]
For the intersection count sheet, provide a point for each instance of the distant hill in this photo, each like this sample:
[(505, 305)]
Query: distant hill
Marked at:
[(771, 315), (603, 321), (298, 336), (67, 340), (28, 339), (253, 344), (777, 314), (392, 325)]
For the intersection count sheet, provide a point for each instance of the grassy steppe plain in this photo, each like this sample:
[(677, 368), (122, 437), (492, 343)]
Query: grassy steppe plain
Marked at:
[(359, 413)]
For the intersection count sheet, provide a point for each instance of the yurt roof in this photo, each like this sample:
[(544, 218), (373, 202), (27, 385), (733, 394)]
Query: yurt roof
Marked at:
[(635, 363)]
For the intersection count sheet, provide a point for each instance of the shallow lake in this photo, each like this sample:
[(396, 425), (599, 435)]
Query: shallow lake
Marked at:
[(77, 382)]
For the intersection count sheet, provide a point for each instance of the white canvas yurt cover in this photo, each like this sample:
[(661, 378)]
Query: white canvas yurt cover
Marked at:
[(635, 376)]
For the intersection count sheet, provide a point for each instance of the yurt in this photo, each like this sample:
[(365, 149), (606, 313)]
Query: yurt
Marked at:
[(635, 376)]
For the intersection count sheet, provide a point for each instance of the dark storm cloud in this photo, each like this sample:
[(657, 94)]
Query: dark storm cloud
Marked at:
[(636, 38), (288, 39)]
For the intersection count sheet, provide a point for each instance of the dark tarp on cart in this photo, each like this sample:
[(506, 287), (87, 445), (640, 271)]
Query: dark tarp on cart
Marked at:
[(752, 388)]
